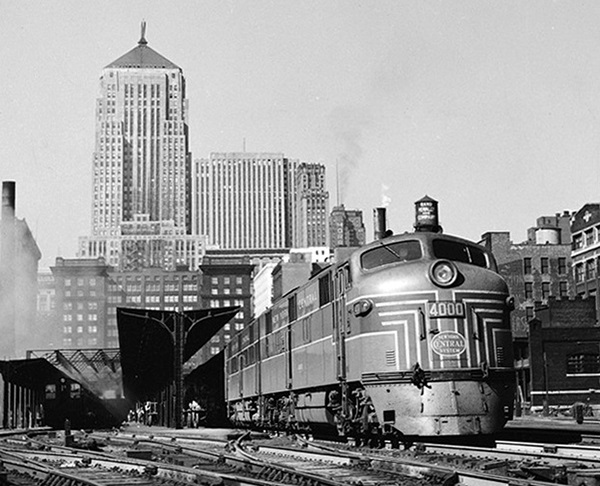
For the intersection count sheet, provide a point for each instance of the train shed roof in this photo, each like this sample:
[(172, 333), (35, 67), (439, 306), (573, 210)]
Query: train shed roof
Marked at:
[(147, 337)]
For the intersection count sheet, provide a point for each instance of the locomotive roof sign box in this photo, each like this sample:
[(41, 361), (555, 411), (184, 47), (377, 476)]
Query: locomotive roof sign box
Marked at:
[(426, 215)]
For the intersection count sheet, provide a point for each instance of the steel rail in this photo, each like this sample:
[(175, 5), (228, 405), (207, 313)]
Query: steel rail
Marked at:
[(416, 468), (188, 475), (521, 451)]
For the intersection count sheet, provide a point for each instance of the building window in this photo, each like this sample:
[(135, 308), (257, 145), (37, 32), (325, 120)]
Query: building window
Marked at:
[(589, 238), (579, 273), (545, 290), (590, 269), (562, 265), (526, 266), (528, 290), (577, 242), (544, 265), (562, 286), (67, 317), (583, 363)]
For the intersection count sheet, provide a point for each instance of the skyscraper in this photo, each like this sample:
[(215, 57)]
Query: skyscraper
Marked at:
[(141, 160), (311, 207), (141, 171), (244, 200)]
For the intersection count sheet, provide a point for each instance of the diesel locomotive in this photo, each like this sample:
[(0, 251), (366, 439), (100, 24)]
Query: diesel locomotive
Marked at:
[(410, 336)]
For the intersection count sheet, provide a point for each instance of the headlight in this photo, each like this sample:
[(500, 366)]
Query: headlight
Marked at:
[(443, 273), (362, 307)]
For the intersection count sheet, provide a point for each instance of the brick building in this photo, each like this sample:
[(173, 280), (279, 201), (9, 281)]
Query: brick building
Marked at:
[(226, 281), (346, 227), (534, 269), (585, 230), (564, 340)]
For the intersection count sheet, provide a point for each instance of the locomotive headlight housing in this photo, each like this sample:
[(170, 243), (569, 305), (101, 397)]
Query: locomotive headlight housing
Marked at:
[(362, 307), (510, 302), (443, 273)]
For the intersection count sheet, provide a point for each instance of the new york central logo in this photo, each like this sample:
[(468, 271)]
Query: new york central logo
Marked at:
[(448, 343)]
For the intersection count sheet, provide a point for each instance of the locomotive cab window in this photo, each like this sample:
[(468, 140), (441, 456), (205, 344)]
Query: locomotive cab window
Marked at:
[(460, 252), (401, 251)]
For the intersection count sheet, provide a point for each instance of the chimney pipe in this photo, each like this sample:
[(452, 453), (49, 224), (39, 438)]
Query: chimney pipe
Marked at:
[(8, 200), (379, 222)]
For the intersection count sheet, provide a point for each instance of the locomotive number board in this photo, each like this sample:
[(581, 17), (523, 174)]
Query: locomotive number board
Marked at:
[(442, 308)]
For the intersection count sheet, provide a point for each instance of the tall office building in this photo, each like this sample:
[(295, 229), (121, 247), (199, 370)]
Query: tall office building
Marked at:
[(346, 227), (312, 206), (244, 200), (141, 174), (141, 160)]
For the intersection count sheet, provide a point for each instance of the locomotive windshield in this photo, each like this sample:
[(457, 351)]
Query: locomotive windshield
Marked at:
[(401, 251), (459, 252)]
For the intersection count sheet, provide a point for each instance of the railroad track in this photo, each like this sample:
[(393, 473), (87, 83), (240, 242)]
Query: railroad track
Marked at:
[(134, 459)]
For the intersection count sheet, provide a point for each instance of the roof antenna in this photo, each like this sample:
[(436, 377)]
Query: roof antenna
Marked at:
[(143, 40)]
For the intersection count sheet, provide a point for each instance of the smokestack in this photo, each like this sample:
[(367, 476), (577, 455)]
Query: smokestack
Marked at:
[(8, 259), (379, 223), (8, 200)]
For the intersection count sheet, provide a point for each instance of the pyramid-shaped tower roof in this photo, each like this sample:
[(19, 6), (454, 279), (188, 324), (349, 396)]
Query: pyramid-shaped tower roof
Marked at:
[(143, 56)]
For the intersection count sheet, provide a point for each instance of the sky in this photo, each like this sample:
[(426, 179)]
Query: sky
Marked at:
[(491, 108)]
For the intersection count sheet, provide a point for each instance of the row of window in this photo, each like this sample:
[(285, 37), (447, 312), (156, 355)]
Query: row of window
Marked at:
[(80, 305), (546, 290), (80, 317), (79, 329), (67, 342), (545, 265), (80, 281), (587, 270), (587, 238)]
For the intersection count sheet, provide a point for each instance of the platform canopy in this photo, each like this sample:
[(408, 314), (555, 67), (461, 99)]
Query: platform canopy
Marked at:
[(147, 342), (30, 373)]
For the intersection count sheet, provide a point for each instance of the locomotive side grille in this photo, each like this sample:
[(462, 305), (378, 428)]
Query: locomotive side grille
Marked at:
[(390, 358), (500, 355)]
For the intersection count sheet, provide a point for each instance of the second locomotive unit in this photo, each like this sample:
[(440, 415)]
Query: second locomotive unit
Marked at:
[(408, 337)]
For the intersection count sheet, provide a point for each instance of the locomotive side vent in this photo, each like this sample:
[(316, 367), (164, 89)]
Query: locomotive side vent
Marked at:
[(390, 358), (500, 355)]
